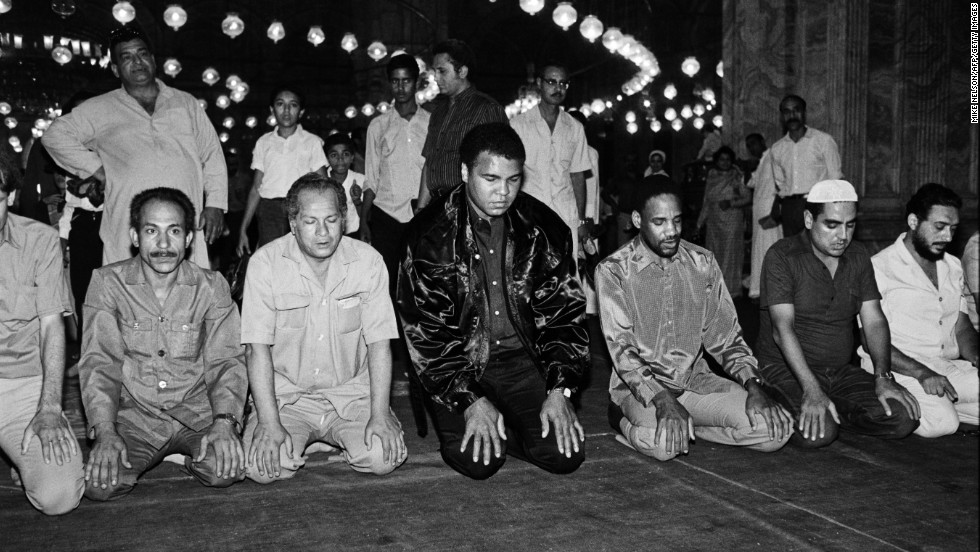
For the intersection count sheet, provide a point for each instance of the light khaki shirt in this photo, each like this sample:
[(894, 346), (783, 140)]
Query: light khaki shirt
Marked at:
[(319, 331)]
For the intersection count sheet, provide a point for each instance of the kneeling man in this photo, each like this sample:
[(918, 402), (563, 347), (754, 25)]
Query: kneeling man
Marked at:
[(663, 304), (162, 369), (934, 345), (317, 319), (814, 285), (492, 311), (34, 432)]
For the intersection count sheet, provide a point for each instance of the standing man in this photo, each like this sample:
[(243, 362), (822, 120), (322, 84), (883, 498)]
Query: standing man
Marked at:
[(814, 284), (459, 108), (141, 136), (34, 432), (317, 320), (663, 305), (934, 345), (279, 158), (765, 230), (492, 311), (557, 153), (162, 370), (394, 172), (800, 159)]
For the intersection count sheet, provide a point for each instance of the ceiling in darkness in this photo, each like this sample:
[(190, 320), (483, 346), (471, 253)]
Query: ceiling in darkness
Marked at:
[(507, 42)]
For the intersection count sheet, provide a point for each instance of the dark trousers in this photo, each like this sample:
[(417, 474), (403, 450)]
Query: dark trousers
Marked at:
[(388, 238), (85, 252), (143, 456), (792, 213), (517, 390), (273, 222), (852, 391)]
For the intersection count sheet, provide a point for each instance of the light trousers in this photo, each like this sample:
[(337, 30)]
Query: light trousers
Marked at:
[(939, 415), (50, 488), (718, 418), (308, 421)]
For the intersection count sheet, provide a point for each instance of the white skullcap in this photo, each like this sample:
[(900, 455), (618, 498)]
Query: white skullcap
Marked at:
[(657, 152), (831, 191)]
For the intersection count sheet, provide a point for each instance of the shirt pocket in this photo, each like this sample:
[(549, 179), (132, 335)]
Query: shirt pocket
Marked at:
[(348, 314), (291, 311), (186, 339), (137, 336), (18, 305)]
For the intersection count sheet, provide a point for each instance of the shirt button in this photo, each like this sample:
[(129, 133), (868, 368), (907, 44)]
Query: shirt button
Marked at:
[(940, 322), (184, 327), (324, 302), (477, 256), (940, 299), (497, 313), (320, 338), (317, 371), (162, 385), (498, 342), (493, 283), (161, 353), (491, 251)]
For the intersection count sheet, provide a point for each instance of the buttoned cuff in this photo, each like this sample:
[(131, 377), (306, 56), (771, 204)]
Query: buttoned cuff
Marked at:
[(644, 391)]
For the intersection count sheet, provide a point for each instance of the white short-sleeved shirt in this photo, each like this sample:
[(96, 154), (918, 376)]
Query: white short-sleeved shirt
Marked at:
[(353, 218), (393, 163), (551, 159), (797, 166), (283, 160), (921, 317)]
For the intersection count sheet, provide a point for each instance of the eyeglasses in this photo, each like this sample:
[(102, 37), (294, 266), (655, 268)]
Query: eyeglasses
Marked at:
[(555, 82)]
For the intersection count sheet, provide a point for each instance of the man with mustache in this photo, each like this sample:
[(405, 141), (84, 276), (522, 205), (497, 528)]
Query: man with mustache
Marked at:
[(800, 159), (143, 135), (492, 312), (813, 286), (663, 305), (162, 370), (934, 345), (557, 153)]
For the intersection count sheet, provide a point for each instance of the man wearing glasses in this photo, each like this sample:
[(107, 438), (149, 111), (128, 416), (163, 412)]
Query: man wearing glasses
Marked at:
[(557, 154)]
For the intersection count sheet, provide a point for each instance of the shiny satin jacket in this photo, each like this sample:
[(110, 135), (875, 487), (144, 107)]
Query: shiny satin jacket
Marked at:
[(444, 307)]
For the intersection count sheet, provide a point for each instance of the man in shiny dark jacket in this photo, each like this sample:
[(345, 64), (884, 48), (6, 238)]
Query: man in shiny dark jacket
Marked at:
[(492, 312)]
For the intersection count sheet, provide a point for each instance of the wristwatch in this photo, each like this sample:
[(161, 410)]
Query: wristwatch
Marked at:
[(231, 418), (564, 391), (756, 379), (885, 375)]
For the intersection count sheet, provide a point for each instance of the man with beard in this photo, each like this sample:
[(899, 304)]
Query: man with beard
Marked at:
[(162, 371), (663, 305), (800, 159), (143, 135), (934, 345), (557, 153), (813, 286), (492, 312)]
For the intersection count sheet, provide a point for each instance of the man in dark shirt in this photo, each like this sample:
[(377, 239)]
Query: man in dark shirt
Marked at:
[(813, 285), (459, 108), (492, 312), (162, 369)]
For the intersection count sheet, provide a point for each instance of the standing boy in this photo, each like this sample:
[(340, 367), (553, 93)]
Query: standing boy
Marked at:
[(279, 158), (340, 155)]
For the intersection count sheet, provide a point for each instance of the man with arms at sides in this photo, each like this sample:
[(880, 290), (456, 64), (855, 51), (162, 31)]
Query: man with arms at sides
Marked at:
[(458, 108), (317, 322), (279, 158), (934, 345), (143, 135), (662, 301), (800, 159), (34, 432), (814, 284), (162, 371), (557, 153), (492, 312)]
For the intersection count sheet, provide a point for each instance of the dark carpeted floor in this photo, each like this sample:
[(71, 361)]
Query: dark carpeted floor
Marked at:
[(858, 494)]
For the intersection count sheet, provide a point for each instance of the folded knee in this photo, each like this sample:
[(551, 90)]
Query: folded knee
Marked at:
[(814, 442), (374, 464), (559, 464), (55, 501), (938, 425), (465, 465), (111, 492)]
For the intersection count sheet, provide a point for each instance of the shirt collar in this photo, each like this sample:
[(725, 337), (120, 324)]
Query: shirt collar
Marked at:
[(642, 256), (296, 133), (345, 254), (133, 272), (7, 233)]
